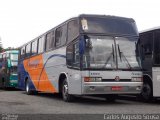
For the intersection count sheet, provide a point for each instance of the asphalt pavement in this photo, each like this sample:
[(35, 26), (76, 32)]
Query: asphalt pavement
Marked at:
[(18, 102)]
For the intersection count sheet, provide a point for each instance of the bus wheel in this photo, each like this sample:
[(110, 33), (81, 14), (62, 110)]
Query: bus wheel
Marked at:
[(3, 83), (146, 93), (66, 96), (28, 91), (111, 98)]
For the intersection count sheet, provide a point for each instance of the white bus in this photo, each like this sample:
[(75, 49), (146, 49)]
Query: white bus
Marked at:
[(148, 48), (86, 55)]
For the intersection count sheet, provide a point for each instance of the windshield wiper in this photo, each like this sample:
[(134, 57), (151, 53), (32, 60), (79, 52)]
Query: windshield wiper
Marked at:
[(120, 55), (112, 53)]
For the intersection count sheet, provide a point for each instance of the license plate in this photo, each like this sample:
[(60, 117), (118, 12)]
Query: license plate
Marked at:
[(116, 88)]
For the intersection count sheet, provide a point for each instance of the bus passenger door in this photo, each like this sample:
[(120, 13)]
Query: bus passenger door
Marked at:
[(73, 63)]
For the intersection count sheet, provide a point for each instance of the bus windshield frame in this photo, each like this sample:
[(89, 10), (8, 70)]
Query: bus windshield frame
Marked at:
[(110, 53)]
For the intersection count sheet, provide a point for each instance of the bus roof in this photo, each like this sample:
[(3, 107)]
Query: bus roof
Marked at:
[(150, 29), (10, 51), (13, 51), (79, 16), (107, 16)]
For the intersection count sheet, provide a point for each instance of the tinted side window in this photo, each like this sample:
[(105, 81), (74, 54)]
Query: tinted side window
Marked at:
[(73, 58), (41, 44), (60, 35), (157, 48), (28, 50), (147, 43), (34, 47), (22, 52), (76, 55), (73, 30), (70, 55), (50, 41)]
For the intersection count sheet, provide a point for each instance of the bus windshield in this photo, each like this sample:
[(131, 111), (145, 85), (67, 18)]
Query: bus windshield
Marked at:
[(100, 53), (104, 52), (126, 54), (14, 59), (109, 25), (14, 56)]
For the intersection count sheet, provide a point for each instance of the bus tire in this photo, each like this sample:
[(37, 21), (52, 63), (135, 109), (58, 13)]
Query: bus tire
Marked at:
[(3, 83), (65, 95), (28, 91), (147, 93), (111, 98)]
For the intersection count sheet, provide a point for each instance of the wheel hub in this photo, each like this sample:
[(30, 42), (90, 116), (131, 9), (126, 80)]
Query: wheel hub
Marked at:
[(27, 87), (65, 90)]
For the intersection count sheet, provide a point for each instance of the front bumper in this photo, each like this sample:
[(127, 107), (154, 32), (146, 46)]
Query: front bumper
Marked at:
[(106, 88)]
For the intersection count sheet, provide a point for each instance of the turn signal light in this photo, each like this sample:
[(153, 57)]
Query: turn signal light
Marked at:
[(92, 79), (137, 79)]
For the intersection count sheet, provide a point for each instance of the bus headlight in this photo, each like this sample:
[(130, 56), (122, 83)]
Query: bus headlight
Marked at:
[(92, 79), (137, 79)]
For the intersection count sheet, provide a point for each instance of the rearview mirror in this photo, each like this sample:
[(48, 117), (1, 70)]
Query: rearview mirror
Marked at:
[(88, 43)]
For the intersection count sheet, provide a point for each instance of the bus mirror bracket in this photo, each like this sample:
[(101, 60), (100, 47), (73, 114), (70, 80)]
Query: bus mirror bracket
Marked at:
[(82, 45)]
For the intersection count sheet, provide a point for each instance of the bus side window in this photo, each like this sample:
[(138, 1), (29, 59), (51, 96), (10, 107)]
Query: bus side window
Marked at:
[(72, 30), (50, 41), (28, 50), (76, 55), (73, 58), (69, 54), (148, 43), (41, 44), (157, 48), (60, 36), (142, 52), (22, 54), (34, 47)]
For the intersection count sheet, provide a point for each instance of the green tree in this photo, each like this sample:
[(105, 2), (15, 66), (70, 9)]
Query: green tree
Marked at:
[(1, 48)]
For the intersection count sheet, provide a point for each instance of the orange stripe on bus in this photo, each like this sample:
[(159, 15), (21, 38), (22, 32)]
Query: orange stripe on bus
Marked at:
[(35, 67)]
